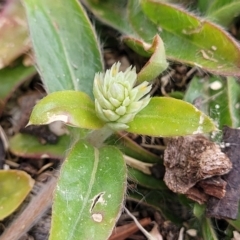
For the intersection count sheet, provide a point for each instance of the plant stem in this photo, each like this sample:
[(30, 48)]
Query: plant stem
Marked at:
[(97, 137)]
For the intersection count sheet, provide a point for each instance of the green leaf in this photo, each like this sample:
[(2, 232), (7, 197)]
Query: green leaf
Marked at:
[(141, 24), (203, 5), (218, 97), (233, 88), (225, 14), (14, 187), (157, 62), (193, 40), (195, 89), (145, 180), (169, 117), (106, 11), (28, 146), (197, 93), (71, 107), (11, 78), (89, 193), (207, 229), (218, 4), (14, 33), (132, 149), (199, 210), (225, 101), (65, 45)]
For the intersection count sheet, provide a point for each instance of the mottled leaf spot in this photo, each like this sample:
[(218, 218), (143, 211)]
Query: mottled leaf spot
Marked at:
[(97, 217)]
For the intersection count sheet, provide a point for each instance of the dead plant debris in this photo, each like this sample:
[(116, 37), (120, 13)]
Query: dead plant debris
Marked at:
[(191, 159)]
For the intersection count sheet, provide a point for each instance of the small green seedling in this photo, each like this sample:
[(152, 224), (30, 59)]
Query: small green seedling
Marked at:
[(91, 189), (92, 184)]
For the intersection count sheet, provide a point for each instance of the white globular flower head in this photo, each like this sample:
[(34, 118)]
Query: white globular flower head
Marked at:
[(117, 101)]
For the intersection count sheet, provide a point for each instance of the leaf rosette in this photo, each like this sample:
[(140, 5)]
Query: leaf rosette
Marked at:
[(117, 101)]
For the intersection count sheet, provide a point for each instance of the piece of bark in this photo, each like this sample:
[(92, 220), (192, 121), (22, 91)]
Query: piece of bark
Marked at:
[(214, 186), (196, 195), (227, 207), (190, 159)]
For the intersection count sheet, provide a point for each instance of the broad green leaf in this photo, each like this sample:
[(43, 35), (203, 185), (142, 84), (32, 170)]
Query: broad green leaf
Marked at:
[(141, 24), (111, 12), (157, 62), (169, 117), (71, 107), (132, 149), (145, 180), (225, 15), (193, 40), (89, 194), (65, 45), (14, 33), (28, 146), (14, 187), (11, 78)]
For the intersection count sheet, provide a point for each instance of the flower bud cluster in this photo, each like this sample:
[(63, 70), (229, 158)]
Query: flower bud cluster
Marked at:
[(117, 101)]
